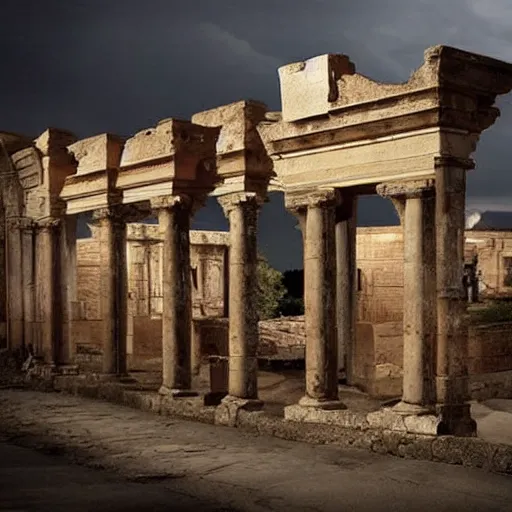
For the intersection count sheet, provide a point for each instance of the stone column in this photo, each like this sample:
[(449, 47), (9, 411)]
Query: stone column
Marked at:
[(3, 281), (242, 212), (49, 280), (346, 231), (174, 215), (29, 265), (114, 289), (68, 292), (16, 281), (320, 298), (452, 329), (225, 282), (415, 205)]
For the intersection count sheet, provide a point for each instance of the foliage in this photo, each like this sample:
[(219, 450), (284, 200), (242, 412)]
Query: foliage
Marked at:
[(293, 281), (270, 290), (292, 304)]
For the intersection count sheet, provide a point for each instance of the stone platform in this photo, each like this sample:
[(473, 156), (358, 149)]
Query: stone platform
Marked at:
[(368, 429)]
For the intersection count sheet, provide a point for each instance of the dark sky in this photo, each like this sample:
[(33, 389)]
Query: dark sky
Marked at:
[(120, 66)]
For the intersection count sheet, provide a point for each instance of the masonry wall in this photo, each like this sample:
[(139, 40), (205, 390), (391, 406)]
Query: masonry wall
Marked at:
[(492, 247), (145, 300), (378, 358), (380, 262), (379, 254)]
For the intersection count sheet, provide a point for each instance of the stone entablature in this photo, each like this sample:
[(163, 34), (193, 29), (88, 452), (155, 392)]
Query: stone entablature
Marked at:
[(339, 128)]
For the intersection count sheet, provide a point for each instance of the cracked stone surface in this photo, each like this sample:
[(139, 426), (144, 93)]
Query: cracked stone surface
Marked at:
[(234, 470)]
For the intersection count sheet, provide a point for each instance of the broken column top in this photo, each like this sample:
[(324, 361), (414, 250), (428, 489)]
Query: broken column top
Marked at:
[(324, 84), (54, 140), (166, 139), (98, 153), (174, 157), (238, 121), (243, 163)]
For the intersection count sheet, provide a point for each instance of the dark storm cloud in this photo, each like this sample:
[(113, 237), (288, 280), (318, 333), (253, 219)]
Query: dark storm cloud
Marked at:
[(108, 65)]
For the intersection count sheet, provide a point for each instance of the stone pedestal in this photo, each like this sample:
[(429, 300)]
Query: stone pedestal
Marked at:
[(452, 329), (320, 297), (242, 212), (113, 292), (346, 297), (174, 219)]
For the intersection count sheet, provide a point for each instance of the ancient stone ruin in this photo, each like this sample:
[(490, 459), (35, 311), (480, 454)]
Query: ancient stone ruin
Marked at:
[(339, 135)]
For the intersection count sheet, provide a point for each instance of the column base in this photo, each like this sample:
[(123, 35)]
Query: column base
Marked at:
[(326, 405), (227, 412), (177, 393), (456, 420), (407, 409)]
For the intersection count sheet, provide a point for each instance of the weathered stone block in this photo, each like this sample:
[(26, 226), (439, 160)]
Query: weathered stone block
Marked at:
[(423, 424), (97, 153), (308, 87), (342, 418), (386, 419), (502, 460), (227, 412)]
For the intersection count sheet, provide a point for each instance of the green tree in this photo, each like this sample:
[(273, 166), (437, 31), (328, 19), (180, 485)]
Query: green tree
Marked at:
[(270, 290)]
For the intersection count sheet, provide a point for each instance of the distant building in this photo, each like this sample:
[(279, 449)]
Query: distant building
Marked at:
[(488, 258)]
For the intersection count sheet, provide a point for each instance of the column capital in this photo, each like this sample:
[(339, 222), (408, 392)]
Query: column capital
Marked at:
[(21, 223), (231, 201), (403, 190), (170, 201), (319, 198), (113, 213), (48, 223), (183, 201)]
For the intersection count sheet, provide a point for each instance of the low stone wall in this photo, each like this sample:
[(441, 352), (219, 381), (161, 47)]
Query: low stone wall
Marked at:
[(490, 348), (378, 360), (283, 338)]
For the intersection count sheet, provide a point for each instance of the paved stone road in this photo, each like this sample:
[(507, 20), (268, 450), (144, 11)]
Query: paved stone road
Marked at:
[(32, 481), (238, 471)]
